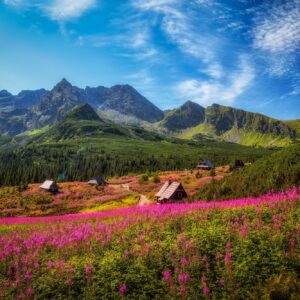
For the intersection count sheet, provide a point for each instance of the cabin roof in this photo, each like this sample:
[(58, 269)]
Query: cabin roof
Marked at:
[(48, 184), (163, 188), (206, 163), (97, 180), (168, 189)]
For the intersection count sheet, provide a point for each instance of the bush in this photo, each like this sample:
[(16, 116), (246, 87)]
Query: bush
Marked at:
[(143, 178), (155, 179), (198, 175), (212, 172)]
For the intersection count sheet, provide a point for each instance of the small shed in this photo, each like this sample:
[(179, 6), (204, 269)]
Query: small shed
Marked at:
[(50, 186), (205, 165), (170, 192), (97, 181)]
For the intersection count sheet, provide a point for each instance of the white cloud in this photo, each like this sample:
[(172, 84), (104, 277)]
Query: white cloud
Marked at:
[(153, 4), (140, 39), (63, 10), (58, 10), (178, 28), (214, 70), (277, 36), (211, 91), (280, 32)]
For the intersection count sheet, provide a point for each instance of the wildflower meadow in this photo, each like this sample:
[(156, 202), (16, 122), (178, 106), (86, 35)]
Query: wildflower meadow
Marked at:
[(239, 249)]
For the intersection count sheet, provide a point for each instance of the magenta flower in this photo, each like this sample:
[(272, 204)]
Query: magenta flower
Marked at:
[(29, 292), (167, 276), (122, 289), (88, 269), (182, 278), (183, 261), (27, 276), (206, 290), (228, 245)]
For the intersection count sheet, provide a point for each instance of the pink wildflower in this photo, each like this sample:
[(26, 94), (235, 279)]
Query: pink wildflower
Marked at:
[(183, 261), (122, 289), (88, 269), (167, 275), (29, 292), (206, 290)]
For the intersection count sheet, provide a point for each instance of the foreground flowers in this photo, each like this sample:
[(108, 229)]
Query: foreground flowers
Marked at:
[(204, 250)]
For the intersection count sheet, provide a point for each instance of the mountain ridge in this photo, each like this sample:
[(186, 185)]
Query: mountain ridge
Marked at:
[(122, 104)]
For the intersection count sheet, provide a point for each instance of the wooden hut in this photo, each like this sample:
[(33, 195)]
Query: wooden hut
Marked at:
[(170, 192), (99, 181), (50, 186), (205, 165)]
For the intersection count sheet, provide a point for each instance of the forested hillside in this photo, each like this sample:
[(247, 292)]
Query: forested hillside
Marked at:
[(277, 172)]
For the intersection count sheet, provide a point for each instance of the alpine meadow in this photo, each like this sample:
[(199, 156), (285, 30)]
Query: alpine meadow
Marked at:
[(150, 149)]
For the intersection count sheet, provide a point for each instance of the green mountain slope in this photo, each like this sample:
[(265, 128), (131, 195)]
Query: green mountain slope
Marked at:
[(295, 124), (82, 148), (279, 171), (238, 126), (188, 115)]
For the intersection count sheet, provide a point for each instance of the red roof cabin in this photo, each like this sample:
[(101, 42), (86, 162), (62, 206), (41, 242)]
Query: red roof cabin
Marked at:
[(171, 192)]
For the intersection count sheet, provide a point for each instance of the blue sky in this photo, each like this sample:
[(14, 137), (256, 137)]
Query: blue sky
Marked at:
[(242, 53)]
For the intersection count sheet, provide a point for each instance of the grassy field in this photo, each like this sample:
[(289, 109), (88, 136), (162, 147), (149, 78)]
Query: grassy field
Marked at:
[(75, 197)]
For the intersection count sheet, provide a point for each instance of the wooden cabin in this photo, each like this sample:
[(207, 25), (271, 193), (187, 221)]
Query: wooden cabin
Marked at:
[(205, 165), (99, 181), (171, 192), (50, 186)]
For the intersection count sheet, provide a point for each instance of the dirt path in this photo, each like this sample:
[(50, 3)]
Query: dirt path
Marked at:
[(144, 201)]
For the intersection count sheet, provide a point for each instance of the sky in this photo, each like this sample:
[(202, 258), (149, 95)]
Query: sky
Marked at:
[(240, 53)]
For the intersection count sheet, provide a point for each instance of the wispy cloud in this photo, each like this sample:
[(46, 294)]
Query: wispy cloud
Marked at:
[(64, 10), (278, 34), (211, 91), (57, 10), (178, 28)]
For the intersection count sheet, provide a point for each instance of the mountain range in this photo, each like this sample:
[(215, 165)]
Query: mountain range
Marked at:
[(123, 105)]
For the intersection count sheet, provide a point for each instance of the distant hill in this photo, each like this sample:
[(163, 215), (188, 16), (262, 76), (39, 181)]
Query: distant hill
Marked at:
[(239, 126), (279, 172), (188, 115)]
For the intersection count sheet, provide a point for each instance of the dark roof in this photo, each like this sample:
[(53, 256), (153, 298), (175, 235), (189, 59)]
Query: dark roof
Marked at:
[(97, 181), (206, 163)]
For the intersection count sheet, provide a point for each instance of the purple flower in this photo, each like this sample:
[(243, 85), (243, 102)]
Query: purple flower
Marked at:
[(167, 275), (206, 290), (122, 289), (29, 292), (184, 261), (88, 269)]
